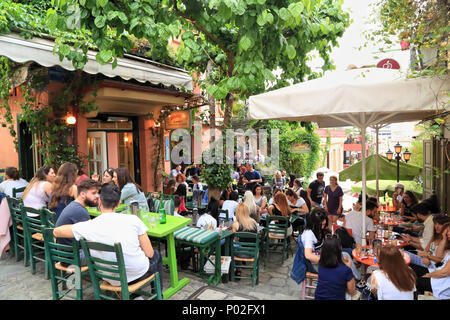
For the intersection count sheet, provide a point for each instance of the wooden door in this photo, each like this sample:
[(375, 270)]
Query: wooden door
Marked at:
[(428, 168)]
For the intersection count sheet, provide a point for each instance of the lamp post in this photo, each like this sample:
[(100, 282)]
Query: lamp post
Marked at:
[(398, 156)]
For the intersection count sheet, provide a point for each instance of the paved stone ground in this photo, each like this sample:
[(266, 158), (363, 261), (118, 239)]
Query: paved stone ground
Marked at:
[(17, 283)]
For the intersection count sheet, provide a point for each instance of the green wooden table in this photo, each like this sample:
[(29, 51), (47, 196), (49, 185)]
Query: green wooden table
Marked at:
[(165, 231), (207, 242)]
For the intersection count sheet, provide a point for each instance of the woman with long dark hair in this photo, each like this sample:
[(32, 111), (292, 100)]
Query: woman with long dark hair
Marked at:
[(335, 274), (130, 190), (313, 235), (394, 280), (37, 193), (409, 200), (434, 251), (64, 189), (210, 216)]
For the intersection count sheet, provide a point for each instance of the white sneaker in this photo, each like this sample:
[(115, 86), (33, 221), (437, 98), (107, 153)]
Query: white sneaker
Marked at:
[(139, 298)]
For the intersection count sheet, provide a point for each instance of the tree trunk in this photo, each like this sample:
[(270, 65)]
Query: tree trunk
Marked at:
[(228, 111), (213, 192), (212, 107)]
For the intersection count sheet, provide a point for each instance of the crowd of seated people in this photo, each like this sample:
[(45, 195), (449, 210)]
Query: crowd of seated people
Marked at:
[(324, 250)]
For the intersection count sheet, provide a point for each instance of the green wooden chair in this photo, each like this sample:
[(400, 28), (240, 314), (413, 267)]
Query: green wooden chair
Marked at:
[(226, 218), (15, 191), (18, 236), (245, 252), (276, 236), (48, 218), (169, 206), (34, 238), (64, 278), (156, 205), (101, 269)]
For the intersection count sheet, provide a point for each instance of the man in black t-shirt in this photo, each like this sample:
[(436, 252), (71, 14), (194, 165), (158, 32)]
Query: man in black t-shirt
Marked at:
[(316, 189), (251, 177)]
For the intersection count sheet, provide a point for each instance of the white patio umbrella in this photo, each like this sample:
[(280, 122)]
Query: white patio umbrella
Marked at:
[(358, 97)]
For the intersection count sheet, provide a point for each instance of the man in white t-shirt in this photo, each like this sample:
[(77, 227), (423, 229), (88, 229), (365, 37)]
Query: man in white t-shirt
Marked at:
[(175, 172), (353, 220), (424, 216), (230, 205), (110, 227)]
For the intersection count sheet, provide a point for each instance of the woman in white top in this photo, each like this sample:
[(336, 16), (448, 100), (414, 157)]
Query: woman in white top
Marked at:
[(230, 205), (394, 280), (210, 216), (438, 278), (260, 200), (397, 197), (12, 180), (297, 186), (433, 252), (297, 204), (37, 193)]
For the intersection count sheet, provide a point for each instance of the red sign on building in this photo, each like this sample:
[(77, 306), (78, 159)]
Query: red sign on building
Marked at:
[(388, 64)]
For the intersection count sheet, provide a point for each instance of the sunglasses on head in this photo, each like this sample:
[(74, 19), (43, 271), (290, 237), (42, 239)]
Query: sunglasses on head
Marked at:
[(331, 236)]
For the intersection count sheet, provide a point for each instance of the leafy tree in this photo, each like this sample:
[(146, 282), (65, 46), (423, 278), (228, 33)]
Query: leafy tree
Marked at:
[(290, 133), (244, 40), (424, 24)]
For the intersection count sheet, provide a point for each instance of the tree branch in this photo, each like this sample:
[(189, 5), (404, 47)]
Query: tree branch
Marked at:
[(211, 37)]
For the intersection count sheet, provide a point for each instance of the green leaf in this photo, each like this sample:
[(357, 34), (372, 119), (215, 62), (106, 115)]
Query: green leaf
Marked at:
[(268, 75), (284, 14), (296, 8), (245, 43), (101, 3), (112, 15), (134, 23), (52, 19), (104, 56), (100, 21), (64, 49), (123, 17), (291, 52)]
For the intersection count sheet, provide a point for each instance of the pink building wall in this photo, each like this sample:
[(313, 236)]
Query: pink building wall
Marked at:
[(10, 156)]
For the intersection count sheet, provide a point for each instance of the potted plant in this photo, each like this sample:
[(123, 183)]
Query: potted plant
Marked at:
[(218, 177)]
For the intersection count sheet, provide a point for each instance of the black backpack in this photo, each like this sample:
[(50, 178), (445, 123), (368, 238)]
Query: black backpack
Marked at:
[(347, 240)]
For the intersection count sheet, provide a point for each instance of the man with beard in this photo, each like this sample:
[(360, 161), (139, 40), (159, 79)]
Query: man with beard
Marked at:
[(88, 195)]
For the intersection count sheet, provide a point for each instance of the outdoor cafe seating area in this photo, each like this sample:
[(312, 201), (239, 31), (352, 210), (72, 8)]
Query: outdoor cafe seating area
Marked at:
[(185, 247), (215, 254)]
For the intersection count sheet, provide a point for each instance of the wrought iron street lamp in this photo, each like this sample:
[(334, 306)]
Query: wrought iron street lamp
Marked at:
[(398, 156)]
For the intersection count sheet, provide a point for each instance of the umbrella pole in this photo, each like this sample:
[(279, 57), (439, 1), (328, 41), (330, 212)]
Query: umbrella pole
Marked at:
[(363, 183), (377, 129)]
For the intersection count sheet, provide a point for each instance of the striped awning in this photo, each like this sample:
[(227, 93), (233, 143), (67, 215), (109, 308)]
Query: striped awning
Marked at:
[(40, 50)]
